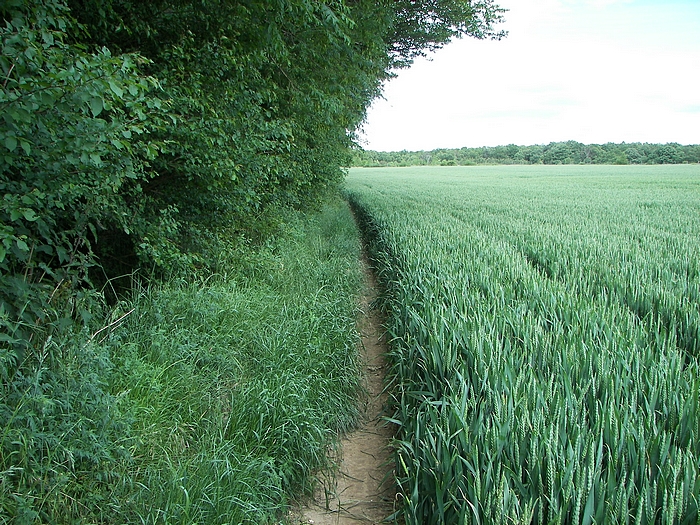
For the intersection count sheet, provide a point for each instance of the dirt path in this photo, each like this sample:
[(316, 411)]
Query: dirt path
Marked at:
[(363, 491)]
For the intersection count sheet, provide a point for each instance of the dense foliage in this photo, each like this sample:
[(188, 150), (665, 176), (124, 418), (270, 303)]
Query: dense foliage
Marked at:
[(570, 152), (544, 324), (166, 135), (163, 132)]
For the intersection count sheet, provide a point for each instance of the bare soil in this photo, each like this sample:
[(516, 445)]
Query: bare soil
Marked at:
[(362, 491)]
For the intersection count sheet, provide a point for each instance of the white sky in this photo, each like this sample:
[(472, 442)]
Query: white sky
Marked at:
[(594, 71)]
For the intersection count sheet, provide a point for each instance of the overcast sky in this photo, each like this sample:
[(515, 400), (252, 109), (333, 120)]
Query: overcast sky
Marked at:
[(594, 71)]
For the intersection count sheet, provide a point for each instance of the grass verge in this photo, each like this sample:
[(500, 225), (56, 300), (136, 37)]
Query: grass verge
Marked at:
[(210, 401)]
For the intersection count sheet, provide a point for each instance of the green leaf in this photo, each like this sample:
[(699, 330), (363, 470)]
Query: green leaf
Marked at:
[(25, 146), (590, 507), (62, 254), (116, 89), (6, 338), (11, 143), (47, 37), (96, 106), (30, 215), (22, 245)]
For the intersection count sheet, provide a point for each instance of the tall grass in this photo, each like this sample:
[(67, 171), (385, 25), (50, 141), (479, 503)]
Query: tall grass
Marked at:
[(210, 400), (544, 330)]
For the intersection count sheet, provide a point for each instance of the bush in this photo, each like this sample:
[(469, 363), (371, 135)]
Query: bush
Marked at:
[(68, 167)]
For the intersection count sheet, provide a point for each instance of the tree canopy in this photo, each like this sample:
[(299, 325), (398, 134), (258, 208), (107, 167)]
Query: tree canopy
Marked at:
[(570, 152)]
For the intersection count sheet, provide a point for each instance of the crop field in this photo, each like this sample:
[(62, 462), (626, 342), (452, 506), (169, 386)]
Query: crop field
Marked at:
[(544, 325)]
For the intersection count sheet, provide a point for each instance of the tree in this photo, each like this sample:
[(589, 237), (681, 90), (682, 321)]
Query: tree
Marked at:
[(669, 154), (420, 27), (563, 153)]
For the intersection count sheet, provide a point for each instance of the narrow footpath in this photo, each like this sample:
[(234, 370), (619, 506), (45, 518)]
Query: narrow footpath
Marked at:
[(363, 488)]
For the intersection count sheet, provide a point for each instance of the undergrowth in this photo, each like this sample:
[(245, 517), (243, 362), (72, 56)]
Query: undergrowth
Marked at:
[(203, 400)]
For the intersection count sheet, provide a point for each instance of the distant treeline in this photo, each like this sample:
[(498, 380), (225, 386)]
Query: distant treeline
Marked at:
[(570, 152)]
